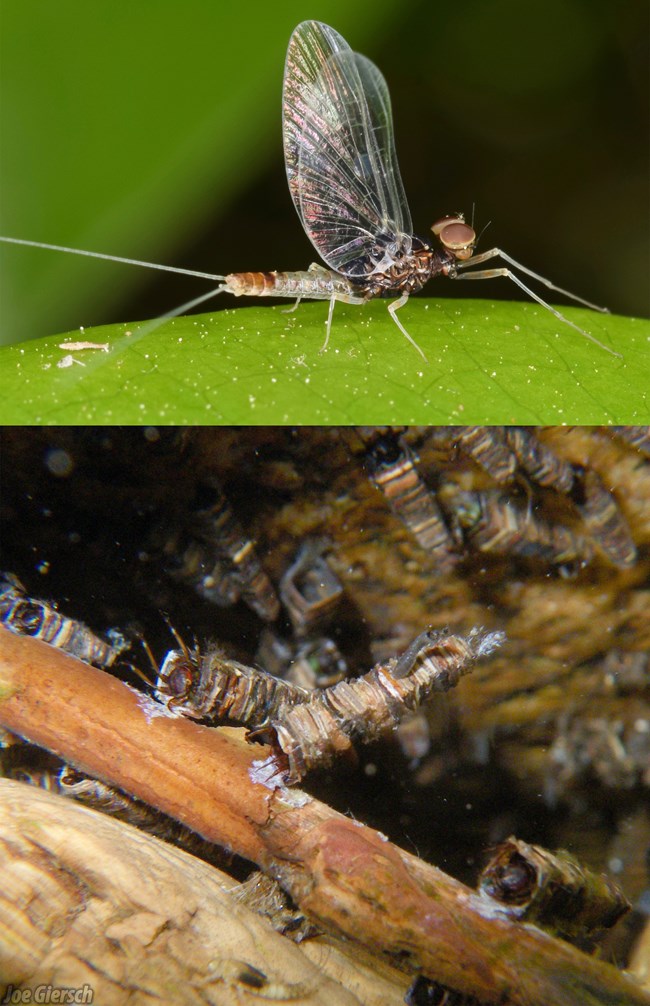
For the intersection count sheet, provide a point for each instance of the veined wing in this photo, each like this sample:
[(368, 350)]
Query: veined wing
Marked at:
[(339, 152)]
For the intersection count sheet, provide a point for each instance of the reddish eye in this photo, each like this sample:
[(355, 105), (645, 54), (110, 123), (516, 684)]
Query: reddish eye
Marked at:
[(69, 777), (459, 238), (180, 681)]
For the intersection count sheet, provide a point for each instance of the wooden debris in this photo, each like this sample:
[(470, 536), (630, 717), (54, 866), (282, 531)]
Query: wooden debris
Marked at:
[(347, 878)]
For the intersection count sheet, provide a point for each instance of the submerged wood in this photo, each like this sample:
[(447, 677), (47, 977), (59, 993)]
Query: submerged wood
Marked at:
[(348, 878), (90, 901)]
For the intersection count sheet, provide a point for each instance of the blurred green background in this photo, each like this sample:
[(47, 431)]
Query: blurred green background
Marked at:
[(152, 130)]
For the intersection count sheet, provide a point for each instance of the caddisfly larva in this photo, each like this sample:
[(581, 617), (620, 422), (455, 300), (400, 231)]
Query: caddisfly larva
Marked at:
[(314, 734), (211, 685), (490, 522), (551, 889), (501, 451), (193, 563), (216, 523), (345, 183), (485, 445), (264, 896), (392, 468), (311, 729), (542, 465), (636, 436), (217, 558), (243, 976), (27, 616), (603, 518), (33, 766)]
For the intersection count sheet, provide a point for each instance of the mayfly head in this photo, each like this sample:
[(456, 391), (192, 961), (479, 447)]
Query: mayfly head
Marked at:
[(456, 237)]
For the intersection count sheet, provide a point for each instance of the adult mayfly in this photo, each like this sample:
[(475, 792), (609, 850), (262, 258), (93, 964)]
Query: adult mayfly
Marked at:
[(346, 186)]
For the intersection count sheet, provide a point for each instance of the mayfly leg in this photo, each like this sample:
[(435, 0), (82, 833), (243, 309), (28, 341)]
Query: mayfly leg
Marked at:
[(509, 274), (392, 310), (486, 256), (294, 307), (345, 299), (328, 329)]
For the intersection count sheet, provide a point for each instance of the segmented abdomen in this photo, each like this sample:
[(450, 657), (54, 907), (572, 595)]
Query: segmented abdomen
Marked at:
[(316, 284)]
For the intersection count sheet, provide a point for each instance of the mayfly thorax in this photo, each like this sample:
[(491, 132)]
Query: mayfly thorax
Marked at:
[(312, 728), (345, 183)]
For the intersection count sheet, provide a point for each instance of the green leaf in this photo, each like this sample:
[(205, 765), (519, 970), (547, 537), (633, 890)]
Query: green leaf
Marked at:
[(488, 363)]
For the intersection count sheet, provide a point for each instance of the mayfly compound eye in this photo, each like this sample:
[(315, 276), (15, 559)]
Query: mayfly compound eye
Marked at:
[(458, 238)]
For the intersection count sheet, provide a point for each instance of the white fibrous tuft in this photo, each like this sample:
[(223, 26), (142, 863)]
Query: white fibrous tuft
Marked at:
[(151, 708), (484, 643)]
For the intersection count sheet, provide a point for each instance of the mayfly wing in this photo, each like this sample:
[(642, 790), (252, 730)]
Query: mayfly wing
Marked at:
[(339, 151)]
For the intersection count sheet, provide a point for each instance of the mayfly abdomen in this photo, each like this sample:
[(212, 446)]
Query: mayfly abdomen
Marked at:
[(315, 283)]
